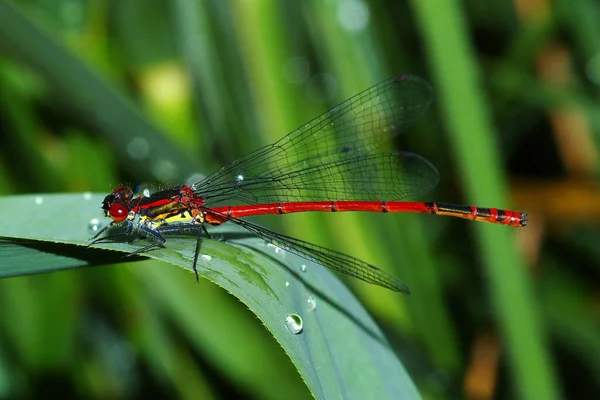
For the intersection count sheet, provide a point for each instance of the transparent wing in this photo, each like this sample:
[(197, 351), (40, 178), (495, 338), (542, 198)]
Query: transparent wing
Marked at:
[(335, 149), (333, 260), (393, 176)]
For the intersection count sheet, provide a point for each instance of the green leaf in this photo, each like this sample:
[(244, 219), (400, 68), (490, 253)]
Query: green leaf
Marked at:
[(340, 352)]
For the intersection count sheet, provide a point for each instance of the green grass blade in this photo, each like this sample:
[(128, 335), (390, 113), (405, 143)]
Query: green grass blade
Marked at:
[(462, 102)]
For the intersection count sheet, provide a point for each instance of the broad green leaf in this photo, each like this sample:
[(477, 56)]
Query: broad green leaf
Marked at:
[(339, 352)]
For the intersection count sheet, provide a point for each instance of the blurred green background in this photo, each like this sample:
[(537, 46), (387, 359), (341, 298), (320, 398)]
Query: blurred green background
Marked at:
[(98, 93)]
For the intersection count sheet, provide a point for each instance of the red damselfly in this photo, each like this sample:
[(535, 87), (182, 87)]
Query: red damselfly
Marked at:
[(326, 165)]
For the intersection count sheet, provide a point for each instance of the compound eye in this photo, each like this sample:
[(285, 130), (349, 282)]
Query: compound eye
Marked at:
[(118, 212)]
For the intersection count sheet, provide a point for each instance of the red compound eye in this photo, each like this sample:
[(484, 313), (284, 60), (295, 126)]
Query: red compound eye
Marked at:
[(118, 212)]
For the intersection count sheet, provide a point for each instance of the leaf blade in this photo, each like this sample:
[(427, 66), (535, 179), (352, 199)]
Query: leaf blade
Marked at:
[(339, 353)]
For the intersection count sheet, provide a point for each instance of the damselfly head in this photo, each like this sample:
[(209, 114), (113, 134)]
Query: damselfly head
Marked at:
[(124, 193), (117, 205)]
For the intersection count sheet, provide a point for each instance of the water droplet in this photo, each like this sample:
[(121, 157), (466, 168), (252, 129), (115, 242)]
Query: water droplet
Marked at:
[(87, 195), (218, 237), (353, 15), (165, 170), (138, 148), (39, 200), (94, 225), (287, 284), (194, 178), (206, 257), (311, 303), (143, 189), (294, 323), (276, 249), (239, 178), (303, 268)]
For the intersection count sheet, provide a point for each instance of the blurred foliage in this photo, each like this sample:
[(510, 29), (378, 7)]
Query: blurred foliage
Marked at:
[(97, 93)]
